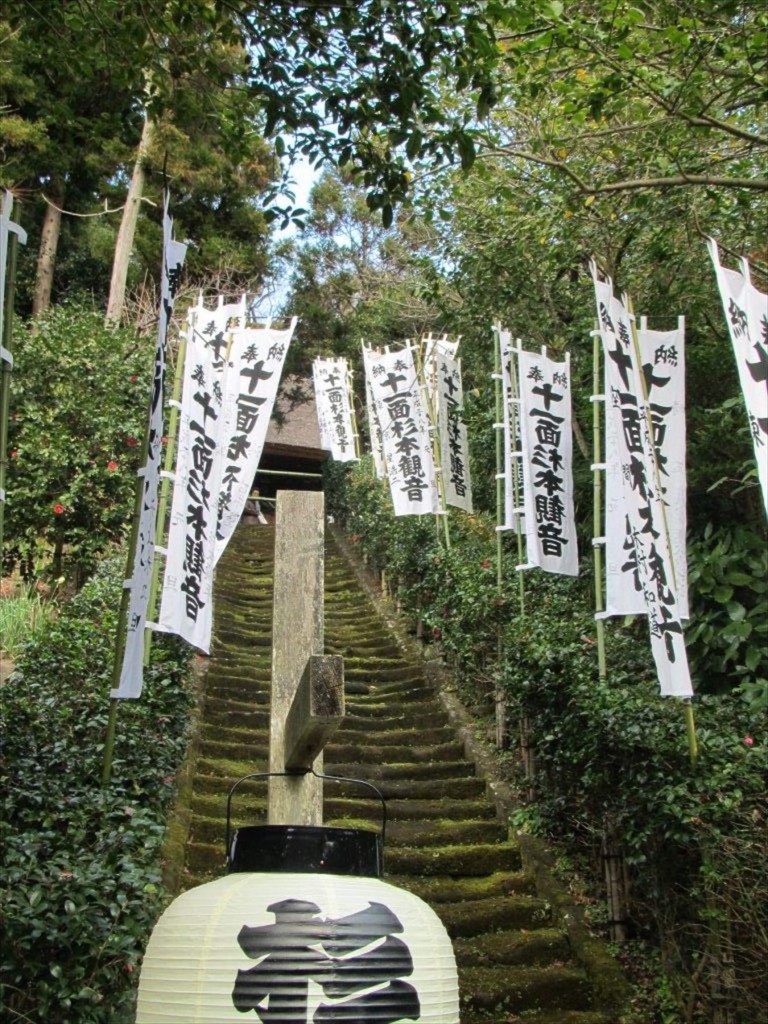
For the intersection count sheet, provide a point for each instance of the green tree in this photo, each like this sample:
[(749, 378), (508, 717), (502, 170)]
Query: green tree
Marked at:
[(355, 280)]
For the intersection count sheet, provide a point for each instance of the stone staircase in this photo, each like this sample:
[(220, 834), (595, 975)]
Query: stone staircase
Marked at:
[(444, 840)]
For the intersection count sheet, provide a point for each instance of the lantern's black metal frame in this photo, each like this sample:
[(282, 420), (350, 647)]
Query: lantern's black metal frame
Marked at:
[(294, 774)]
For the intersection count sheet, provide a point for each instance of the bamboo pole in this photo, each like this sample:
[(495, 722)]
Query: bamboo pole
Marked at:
[(165, 484), (597, 496), (6, 371), (500, 701), (517, 496), (434, 430), (122, 626), (690, 724)]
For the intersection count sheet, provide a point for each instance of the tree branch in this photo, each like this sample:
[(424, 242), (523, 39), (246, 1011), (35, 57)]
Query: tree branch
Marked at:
[(631, 184)]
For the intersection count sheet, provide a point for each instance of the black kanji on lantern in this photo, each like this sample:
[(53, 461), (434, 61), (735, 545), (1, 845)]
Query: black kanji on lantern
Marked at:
[(302, 946)]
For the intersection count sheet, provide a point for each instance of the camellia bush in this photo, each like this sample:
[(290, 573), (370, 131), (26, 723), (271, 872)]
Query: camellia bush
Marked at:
[(79, 399), (81, 883), (611, 757)]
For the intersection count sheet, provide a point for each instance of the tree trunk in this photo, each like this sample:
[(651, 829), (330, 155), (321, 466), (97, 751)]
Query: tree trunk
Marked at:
[(124, 243), (46, 256)]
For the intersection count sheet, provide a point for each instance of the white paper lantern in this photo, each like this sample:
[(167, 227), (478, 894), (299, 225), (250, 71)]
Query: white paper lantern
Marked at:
[(298, 948)]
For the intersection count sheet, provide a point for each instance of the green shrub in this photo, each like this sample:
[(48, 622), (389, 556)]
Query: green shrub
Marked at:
[(81, 885), (79, 400)]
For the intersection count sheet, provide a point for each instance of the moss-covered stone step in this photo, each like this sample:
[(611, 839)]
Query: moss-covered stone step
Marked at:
[(467, 860), (248, 808), (408, 810), (367, 753), (427, 718), (400, 696), (499, 913), (235, 714), (374, 735), (410, 770), (521, 946), (507, 988), (240, 688), (226, 769), (205, 859), (218, 784), (362, 648), (235, 750), (453, 890), (432, 833), (233, 732)]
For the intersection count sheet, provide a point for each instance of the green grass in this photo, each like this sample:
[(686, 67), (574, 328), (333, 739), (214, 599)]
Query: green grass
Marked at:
[(22, 616)]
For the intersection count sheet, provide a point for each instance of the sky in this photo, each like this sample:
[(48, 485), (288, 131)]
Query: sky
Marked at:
[(305, 176)]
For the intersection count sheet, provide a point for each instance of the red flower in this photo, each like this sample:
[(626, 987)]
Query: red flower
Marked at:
[(14, 454), (133, 378), (111, 465), (749, 741), (58, 509), (485, 564), (131, 442)]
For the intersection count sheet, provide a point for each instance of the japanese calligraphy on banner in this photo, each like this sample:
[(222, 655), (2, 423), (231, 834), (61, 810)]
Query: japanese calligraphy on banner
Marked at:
[(405, 432), (454, 447), (374, 427), (334, 408), (546, 439), (432, 349), (250, 387), (186, 606), (746, 310), (509, 426), (663, 358), (217, 325), (634, 460), (131, 675)]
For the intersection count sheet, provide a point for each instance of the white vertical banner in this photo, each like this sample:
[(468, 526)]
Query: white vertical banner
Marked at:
[(663, 362), (7, 228), (509, 421), (186, 606), (251, 382), (663, 358), (454, 445), (547, 447), (405, 432), (634, 461), (374, 427), (746, 310), (334, 408), (131, 674)]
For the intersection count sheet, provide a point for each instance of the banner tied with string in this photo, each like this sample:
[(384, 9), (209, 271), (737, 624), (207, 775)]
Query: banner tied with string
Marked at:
[(547, 448), (627, 419), (132, 671), (746, 311), (333, 401), (405, 432)]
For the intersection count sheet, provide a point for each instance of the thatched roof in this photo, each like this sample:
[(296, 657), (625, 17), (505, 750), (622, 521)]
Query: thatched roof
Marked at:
[(293, 429)]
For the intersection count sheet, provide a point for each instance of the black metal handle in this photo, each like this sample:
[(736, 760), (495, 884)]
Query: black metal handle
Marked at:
[(318, 775)]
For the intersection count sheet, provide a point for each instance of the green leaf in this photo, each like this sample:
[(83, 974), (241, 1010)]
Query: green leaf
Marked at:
[(736, 611)]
